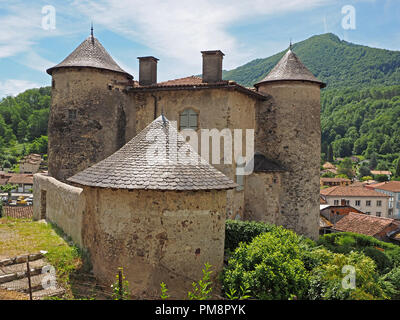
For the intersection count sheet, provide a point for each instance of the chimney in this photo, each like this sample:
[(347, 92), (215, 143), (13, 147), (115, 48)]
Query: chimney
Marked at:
[(212, 66), (147, 71)]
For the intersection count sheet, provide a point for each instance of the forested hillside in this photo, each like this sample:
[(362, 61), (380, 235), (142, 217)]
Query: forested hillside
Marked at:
[(23, 125), (334, 61)]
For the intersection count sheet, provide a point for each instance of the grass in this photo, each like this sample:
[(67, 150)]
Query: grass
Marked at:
[(24, 236)]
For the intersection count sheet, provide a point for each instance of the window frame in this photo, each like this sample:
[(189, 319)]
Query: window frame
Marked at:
[(197, 112)]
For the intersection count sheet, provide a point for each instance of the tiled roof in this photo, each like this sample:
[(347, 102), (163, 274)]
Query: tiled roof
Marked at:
[(17, 178), (290, 68), (335, 180), (377, 172), (193, 80), (350, 191), (260, 163), (393, 186), (196, 83), (323, 222), (137, 166), (364, 224), (90, 53)]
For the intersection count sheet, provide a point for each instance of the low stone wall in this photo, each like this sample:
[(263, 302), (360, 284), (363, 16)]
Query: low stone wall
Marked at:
[(60, 203)]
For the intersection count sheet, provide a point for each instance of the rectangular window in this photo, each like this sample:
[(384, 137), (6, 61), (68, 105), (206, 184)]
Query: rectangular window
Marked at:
[(188, 119), (358, 203), (368, 213), (336, 202), (368, 203), (379, 203), (378, 214)]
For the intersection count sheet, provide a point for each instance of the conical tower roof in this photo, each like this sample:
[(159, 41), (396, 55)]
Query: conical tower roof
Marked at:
[(90, 53), (290, 68), (158, 158)]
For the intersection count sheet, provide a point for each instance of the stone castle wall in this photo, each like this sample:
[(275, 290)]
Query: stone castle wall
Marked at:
[(97, 127), (289, 131)]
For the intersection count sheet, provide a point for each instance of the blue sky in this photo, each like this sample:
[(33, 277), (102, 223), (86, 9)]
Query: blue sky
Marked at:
[(176, 32)]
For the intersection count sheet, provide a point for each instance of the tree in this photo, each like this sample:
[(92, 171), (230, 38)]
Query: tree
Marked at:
[(330, 153), (364, 171), (397, 173), (373, 162), (346, 168)]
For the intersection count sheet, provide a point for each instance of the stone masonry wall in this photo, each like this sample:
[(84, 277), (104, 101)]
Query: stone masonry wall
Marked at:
[(98, 127), (60, 203), (288, 131), (155, 236)]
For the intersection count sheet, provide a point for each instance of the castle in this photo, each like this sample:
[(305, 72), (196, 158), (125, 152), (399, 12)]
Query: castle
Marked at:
[(174, 222)]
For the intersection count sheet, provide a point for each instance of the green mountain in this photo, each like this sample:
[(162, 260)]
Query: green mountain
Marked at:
[(337, 62)]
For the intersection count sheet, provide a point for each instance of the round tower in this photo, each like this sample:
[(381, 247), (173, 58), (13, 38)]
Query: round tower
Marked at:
[(290, 133), (87, 115)]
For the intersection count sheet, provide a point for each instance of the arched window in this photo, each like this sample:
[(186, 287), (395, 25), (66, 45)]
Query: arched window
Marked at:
[(188, 119)]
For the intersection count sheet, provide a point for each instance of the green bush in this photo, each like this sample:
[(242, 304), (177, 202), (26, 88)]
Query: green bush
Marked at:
[(243, 231), (386, 255), (326, 279), (393, 278), (270, 267)]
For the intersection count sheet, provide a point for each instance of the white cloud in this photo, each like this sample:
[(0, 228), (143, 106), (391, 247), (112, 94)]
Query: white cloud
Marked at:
[(12, 87), (181, 29)]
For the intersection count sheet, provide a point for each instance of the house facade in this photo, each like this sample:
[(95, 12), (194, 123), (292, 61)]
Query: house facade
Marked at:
[(363, 199), (392, 190)]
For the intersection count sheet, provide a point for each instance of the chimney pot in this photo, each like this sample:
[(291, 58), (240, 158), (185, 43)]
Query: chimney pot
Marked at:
[(147, 70), (212, 66)]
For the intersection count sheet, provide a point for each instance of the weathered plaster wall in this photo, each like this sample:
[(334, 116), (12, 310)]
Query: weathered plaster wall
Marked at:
[(155, 237), (289, 131), (261, 197), (217, 108), (99, 127), (64, 205)]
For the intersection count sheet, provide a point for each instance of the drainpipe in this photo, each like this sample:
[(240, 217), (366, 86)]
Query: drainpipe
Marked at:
[(155, 106)]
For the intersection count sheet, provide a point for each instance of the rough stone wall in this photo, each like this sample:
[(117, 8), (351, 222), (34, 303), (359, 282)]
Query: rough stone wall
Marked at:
[(261, 197), (64, 205), (288, 131), (99, 127), (155, 236), (217, 108)]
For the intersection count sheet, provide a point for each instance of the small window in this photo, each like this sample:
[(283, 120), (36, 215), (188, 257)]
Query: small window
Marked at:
[(378, 214), (379, 203), (188, 119), (368, 203), (336, 202), (358, 203), (71, 114), (368, 213)]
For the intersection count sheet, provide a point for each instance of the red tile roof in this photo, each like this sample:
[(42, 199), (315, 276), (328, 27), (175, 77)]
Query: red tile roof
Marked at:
[(377, 172), (364, 224), (182, 81), (393, 186), (17, 178), (335, 180), (350, 191)]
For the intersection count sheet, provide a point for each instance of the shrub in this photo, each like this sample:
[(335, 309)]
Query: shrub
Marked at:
[(393, 278), (243, 231), (326, 279), (270, 267), (386, 255)]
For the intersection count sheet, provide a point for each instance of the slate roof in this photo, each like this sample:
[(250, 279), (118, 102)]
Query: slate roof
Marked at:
[(262, 164), (364, 224), (137, 166), (90, 53), (290, 68)]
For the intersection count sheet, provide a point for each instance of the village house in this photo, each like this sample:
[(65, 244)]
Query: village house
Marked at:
[(363, 199), (23, 182), (381, 172), (391, 189), (30, 163), (381, 228), (165, 221)]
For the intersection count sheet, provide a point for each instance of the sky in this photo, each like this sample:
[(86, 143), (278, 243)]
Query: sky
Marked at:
[(36, 35)]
